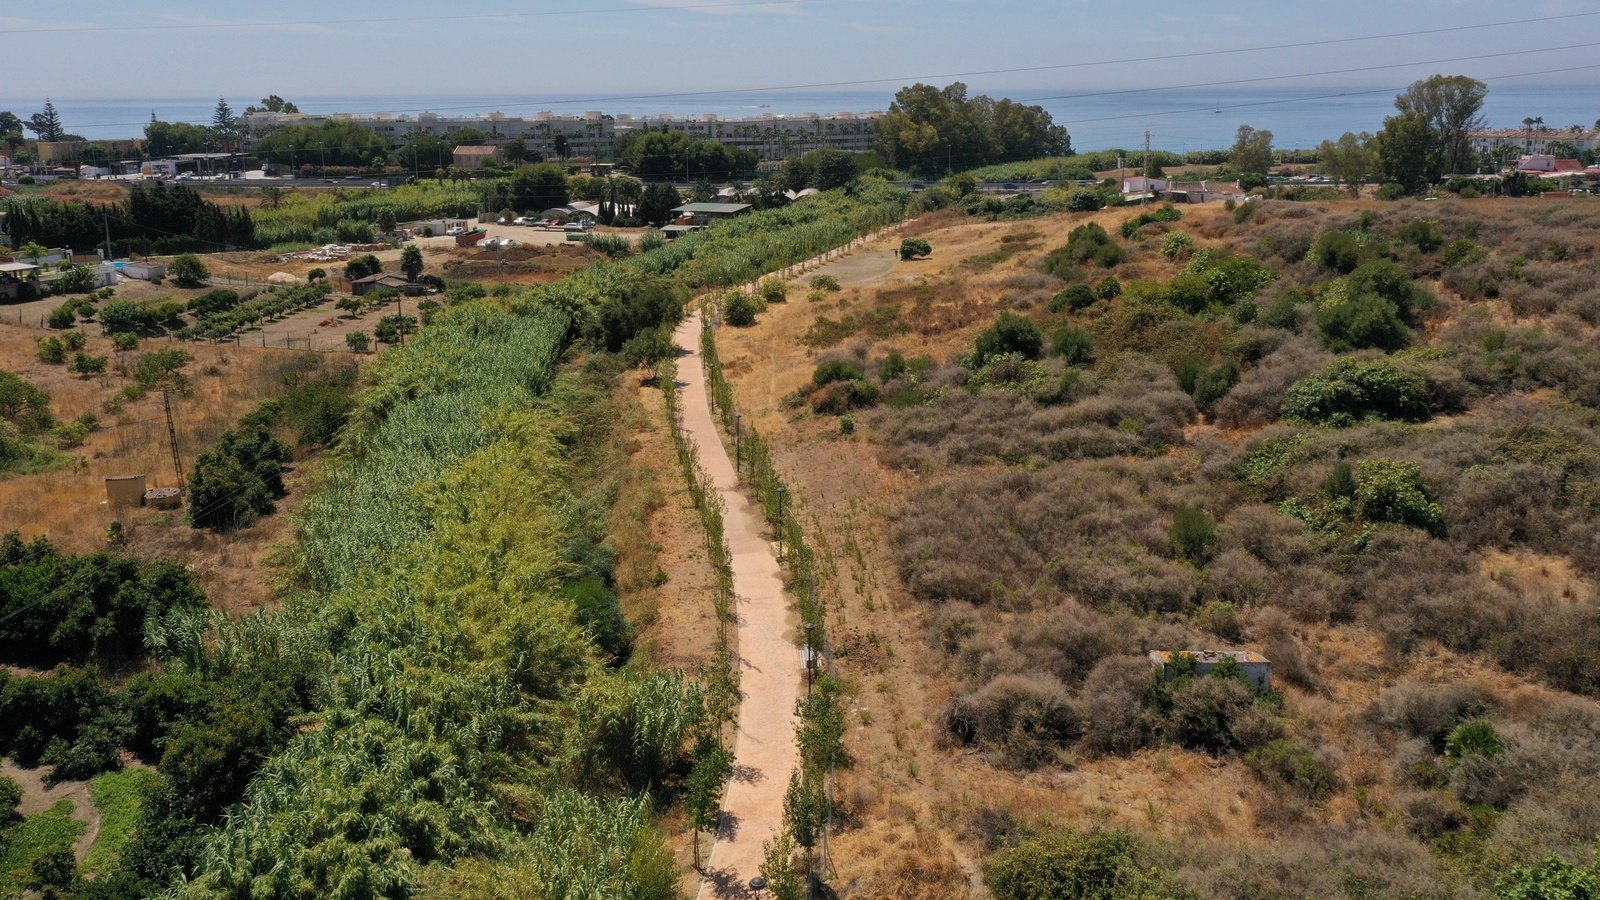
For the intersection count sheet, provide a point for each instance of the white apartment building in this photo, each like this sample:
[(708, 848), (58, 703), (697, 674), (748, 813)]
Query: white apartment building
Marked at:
[(1530, 141), (593, 134)]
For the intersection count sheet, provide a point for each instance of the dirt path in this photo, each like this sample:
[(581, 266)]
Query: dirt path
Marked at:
[(770, 667), (769, 658)]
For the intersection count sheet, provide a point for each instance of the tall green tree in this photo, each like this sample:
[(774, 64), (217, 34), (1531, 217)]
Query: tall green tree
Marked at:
[(931, 129), (1452, 107), (9, 122), (1350, 159), (46, 124), (225, 125), (411, 262), (657, 202), (1252, 151), (170, 138), (537, 188), (515, 151), (1405, 147), (273, 103)]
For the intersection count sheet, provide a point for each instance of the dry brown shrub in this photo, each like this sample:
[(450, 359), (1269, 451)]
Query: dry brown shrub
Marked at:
[(1428, 711), (1019, 719), (1258, 396), (1332, 861), (1111, 705), (1132, 406)]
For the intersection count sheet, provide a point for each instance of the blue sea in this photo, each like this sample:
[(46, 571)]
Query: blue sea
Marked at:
[(1177, 120)]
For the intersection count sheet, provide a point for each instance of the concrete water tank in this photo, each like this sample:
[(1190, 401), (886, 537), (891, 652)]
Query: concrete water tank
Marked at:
[(125, 490)]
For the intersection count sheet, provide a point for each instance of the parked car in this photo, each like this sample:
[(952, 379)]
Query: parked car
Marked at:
[(583, 225), (454, 230), (525, 220)]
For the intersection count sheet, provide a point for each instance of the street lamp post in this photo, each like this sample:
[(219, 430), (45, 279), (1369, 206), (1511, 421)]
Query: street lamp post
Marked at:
[(811, 655)]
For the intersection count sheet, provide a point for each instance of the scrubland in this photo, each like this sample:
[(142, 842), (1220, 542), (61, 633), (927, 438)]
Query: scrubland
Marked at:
[(1358, 438)]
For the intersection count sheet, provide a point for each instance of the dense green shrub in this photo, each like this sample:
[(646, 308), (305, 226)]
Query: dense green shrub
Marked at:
[(1351, 321), (1084, 200), (1293, 764), (393, 328), (1474, 738), (1099, 864), (362, 266), (85, 364), (1354, 391), (67, 719), (1072, 344), (214, 301), (1166, 212), (1340, 251), (831, 371), (739, 309), (55, 607), (1010, 333), (1422, 234), (1177, 245), (1074, 297), (1461, 252), (1086, 243), (317, 404), (188, 271), (1192, 532), (24, 405), (915, 248), (63, 316), (1389, 490), (241, 478)]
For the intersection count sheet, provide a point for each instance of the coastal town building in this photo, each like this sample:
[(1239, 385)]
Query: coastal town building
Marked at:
[(1534, 140)]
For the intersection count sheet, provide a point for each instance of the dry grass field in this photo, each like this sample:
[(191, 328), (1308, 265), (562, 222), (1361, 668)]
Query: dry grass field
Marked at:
[(68, 504)]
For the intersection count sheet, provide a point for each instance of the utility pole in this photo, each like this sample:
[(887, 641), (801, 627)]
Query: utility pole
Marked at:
[(1147, 164), (172, 434)]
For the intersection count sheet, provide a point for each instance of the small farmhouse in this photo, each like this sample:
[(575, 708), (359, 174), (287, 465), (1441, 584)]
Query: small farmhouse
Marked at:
[(706, 213), (472, 156), (1257, 670), (363, 286)]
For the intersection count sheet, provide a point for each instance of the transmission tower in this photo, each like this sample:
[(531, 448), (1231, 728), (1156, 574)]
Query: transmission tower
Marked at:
[(172, 434)]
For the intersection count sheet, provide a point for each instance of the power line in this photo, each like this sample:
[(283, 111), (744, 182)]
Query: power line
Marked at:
[(1333, 96), (531, 102), (1261, 78), (182, 26)]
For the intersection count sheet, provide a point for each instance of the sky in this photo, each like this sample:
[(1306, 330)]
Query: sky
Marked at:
[(312, 48)]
